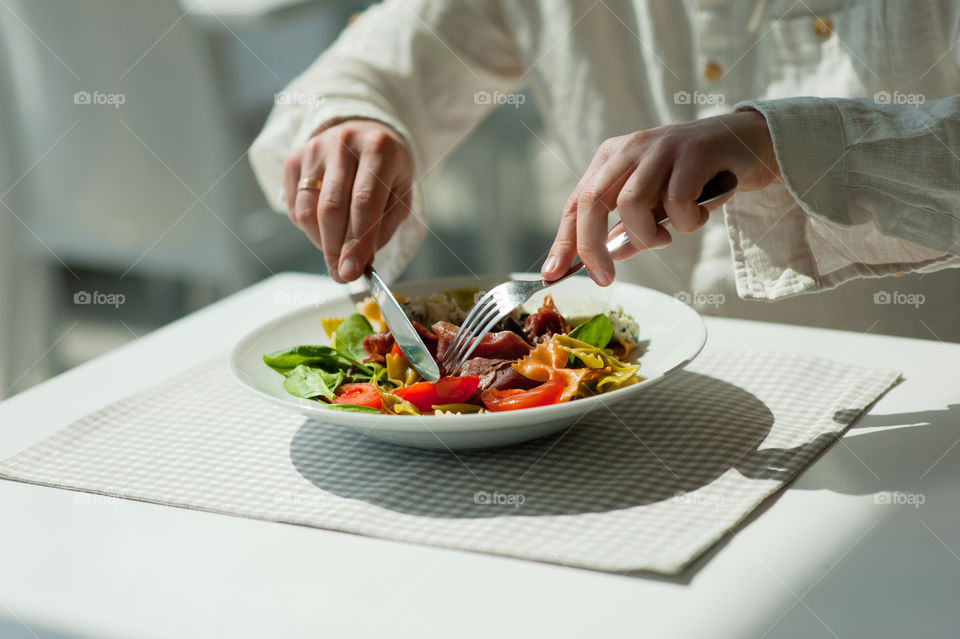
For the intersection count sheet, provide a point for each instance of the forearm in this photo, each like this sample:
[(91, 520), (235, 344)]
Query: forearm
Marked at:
[(415, 66), (857, 162)]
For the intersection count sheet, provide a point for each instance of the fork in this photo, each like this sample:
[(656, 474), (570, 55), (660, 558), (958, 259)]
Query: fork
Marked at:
[(501, 300)]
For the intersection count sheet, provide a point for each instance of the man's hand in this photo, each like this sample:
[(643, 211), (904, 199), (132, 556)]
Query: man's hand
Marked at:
[(366, 175), (669, 164)]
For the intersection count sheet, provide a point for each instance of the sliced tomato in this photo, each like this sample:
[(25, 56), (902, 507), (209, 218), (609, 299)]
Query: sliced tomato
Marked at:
[(456, 390), (545, 394), (448, 390), (423, 395), (363, 394)]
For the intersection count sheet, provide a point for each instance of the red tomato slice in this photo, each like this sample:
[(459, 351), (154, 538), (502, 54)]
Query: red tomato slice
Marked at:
[(360, 394), (448, 390), (513, 399), (423, 395), (456, 390)]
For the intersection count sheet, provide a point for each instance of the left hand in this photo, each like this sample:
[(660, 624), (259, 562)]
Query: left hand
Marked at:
[(634, 173)]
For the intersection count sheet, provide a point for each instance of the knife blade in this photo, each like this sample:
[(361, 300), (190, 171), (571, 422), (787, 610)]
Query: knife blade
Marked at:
[(401, 328)]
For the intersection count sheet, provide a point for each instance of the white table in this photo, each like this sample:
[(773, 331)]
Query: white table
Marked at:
[(825, 560)]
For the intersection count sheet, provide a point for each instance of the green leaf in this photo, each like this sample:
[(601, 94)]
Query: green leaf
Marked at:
[(596, 331), (352, 408), (308, 382), (325, 357), (350, 334)]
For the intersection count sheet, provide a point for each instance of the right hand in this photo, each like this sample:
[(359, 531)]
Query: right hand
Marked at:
[(367, 176)]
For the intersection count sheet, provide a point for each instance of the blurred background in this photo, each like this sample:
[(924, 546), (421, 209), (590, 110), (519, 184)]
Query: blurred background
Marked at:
[(126, 197)]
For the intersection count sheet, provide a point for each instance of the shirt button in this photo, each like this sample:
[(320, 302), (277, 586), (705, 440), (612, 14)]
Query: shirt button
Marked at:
[(712, 71), (823, 27)]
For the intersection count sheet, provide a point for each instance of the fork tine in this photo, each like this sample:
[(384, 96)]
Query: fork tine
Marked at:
[(473, 337), (470, 322), (466, 328), (486, 329), (461, 337)]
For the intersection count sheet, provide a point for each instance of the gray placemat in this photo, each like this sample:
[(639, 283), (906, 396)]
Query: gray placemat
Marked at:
[(646, 485)]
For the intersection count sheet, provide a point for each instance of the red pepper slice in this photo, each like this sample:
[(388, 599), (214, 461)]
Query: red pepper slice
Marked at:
[(545, 394)]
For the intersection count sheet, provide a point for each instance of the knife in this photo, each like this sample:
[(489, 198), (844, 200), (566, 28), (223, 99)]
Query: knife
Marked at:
[(401, 328)]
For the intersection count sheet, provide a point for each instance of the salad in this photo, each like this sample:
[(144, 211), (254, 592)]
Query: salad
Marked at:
[(532, 358)]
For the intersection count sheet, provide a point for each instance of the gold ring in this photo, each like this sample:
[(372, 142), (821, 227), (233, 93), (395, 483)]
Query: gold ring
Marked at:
[(309, 184)]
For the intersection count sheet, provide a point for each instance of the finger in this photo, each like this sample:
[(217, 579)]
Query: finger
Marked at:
[(638, 200), (716, 204), (333, 209), (367, 204), (597, 198), (591, 237), (686, 182), (291, 176), (397, 210), (305, 212), (564, 247), (627, 250)]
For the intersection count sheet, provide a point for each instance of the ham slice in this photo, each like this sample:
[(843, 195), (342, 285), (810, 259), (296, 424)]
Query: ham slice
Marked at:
[(545, 322), (377, 345), (495, 373), (501, 345)]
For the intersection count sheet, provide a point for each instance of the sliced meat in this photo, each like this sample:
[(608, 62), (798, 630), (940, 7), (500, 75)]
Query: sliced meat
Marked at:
[(495, 373), (508, 323), (429, 337), (377, 345), (545, 322), (501, 345)]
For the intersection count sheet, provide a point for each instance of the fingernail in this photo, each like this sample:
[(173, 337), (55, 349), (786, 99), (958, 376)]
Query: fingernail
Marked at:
[(603, 278), (550, 264), (348, 268)]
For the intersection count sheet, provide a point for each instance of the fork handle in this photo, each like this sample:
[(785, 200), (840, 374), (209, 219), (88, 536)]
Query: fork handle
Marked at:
[(721, 184)]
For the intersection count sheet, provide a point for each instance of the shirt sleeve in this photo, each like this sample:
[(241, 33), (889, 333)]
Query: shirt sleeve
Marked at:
[(869, 188), (430, 69)]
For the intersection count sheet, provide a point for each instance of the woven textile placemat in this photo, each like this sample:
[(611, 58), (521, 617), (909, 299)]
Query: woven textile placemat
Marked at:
[(649, 484)]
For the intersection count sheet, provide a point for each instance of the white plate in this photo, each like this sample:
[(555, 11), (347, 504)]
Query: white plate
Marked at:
[(675, 332)]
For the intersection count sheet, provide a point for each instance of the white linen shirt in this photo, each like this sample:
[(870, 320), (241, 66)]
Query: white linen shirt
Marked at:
[(858, 96)]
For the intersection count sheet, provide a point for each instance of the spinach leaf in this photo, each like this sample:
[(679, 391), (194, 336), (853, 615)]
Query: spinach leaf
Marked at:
[(350, 334), (325, 357), (308, 382), (596, 331)]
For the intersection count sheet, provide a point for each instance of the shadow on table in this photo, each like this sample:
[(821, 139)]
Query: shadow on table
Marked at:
[(903, 456), (599, 465)]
